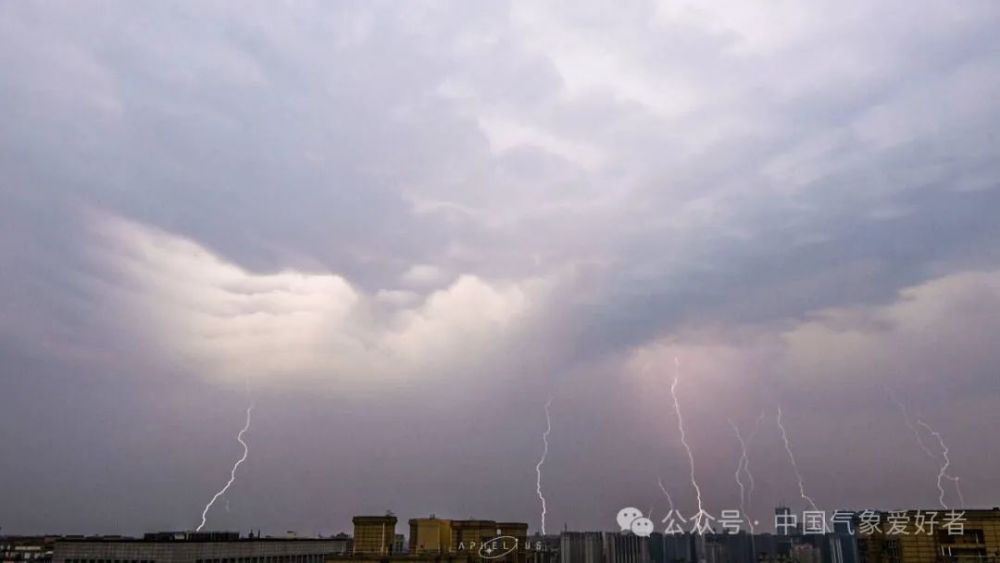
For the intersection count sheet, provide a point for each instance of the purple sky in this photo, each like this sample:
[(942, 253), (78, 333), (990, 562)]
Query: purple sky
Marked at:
[(401, 227)]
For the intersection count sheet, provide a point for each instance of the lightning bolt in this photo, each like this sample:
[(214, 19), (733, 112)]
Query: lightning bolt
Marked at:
[(923, 446), (943, 472), (795, 466), (684, 442), (909, 423), (541, 461), (958, 489), (739, 466), (743, 467), (232, 473), (670, 500), (746, 458)]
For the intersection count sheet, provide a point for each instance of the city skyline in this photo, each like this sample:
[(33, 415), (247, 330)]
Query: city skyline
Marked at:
[(518, 259)]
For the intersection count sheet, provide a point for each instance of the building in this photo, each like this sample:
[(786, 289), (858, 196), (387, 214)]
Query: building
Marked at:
[(785, 522), (192, 547), (467, 536), (973, 536), (625, 548), (729, 548), (544, 548), (430, 535), (374, 534), (672, 548), (581, 547), (26, 549), (345, 542), (437, 540)]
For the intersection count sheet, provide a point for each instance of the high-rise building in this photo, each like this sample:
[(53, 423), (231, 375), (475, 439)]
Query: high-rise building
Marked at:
[(625, 548), (735, 548), (786, 523), (910, 537), (581, 547), (374, 534), (677, 548)]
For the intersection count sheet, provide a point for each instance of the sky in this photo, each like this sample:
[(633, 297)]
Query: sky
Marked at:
[(400, 228)]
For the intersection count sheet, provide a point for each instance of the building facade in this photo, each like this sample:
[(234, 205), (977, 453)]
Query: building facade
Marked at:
[(374, 534), (930, 536), (26, 549), (430, 535), (186, 547)]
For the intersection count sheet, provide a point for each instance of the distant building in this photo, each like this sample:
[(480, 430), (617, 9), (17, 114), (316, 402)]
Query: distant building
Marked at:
[(785, 522), (26, 549), (625, 548), (345, 542), (672, 548), (437, 540), (730, 548), (189, 547), (374, 534), (806, 553), (581, 547)]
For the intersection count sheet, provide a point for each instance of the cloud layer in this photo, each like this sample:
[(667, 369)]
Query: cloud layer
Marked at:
[(409, 225)]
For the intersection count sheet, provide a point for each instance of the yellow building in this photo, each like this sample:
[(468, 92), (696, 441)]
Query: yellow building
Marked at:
[(430, 535), (436, 540), (374, 534), (930, 536), (470, 535)]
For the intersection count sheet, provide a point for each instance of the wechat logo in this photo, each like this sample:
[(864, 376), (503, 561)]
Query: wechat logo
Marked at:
[(630, 519)]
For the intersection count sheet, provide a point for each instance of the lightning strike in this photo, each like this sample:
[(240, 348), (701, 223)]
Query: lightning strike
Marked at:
[(541, 461), (743, 468), (232, 473), (909, 423), (670, 500), (739, 467), (943, 472), (795, 465), (923, 446), (958, 489), (684, 442), (746, 459)]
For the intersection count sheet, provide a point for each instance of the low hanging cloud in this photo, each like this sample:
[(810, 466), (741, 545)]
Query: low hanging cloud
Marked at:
[(935, 336), (223, 320)]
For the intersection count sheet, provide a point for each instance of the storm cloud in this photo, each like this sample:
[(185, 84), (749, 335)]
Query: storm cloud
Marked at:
[(402, 227)]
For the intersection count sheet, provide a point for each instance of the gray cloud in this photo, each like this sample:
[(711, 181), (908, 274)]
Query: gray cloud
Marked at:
[(423, 220)]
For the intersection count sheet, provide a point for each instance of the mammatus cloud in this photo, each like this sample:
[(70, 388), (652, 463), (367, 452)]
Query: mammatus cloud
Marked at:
[(225, 321)]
